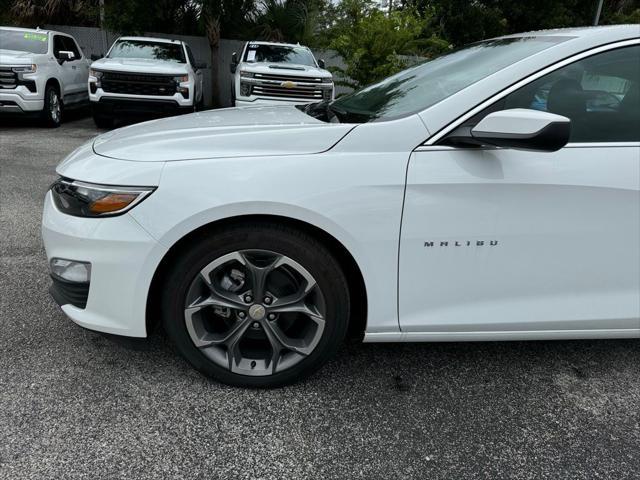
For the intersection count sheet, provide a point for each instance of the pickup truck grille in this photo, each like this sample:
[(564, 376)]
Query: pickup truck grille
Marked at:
[(138, 84), (280, 85), (8, 78)]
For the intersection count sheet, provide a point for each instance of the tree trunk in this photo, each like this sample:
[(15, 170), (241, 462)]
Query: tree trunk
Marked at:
[(213, 35)]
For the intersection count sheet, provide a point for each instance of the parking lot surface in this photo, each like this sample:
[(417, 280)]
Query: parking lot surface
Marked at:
[(74, 404)]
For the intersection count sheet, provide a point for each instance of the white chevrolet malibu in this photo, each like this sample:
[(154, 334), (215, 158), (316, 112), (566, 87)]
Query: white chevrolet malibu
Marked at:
[(492, 193)]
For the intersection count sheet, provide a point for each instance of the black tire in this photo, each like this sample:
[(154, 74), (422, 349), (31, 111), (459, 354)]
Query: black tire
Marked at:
[(298, 246), (103, 121), (52, 111), (200, 104)]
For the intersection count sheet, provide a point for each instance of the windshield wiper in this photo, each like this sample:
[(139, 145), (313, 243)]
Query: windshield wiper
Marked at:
[(321, 110)]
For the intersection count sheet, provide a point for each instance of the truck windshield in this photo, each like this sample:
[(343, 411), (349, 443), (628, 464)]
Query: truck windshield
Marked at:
[(21, 41), (428, 83), (172, 52), (257, 52)]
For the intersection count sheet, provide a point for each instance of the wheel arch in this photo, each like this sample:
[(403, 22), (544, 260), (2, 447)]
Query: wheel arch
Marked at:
[(355, 279), (56, 83)]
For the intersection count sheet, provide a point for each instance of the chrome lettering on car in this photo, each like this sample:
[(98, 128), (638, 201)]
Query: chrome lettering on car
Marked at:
[(461, 243)]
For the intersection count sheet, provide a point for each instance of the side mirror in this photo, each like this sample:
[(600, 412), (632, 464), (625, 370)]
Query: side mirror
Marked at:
[(95, 57), (200, 65), (65, 56), (321, 63), (234, 62), (518, 128)]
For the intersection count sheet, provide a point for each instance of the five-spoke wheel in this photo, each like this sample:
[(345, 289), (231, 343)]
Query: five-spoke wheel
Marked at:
[(256, 306), (255, 312)]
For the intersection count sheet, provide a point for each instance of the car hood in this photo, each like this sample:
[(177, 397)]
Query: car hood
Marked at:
[(13, 57), (288, 69), (231, 132), (140, 65)]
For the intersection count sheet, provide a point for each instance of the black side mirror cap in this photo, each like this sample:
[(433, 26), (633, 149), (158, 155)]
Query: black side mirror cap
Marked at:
[(95, 57), (234, 63), (321, 63), (200, 66)]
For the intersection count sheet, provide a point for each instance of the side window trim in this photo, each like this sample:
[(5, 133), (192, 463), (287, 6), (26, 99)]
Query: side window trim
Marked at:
[(77, 48), (431, 141), (57, 43)]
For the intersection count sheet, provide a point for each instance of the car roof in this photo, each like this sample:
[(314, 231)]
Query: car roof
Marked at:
[(280, 44), (34, 30), (623, 31), (153, 39)]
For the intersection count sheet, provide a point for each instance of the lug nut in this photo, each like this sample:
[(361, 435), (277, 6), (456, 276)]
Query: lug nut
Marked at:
[(242, 314), (272, 316), (248, 298), (255, 325), (268, 300)]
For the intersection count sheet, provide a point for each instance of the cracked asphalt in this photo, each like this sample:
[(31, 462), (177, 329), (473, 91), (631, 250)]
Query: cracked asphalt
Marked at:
[(74, 404)]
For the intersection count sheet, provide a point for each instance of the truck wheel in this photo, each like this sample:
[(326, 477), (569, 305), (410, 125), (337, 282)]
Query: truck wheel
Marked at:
[(52, 112), (102, 121)]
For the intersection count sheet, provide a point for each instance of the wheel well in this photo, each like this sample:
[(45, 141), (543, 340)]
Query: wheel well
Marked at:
[(355, 280), (55, 83)]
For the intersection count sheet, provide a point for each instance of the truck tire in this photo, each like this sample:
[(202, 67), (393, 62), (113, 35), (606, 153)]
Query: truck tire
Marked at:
[(52, 111)]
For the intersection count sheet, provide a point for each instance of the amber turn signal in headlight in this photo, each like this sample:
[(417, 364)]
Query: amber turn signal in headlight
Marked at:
[(82, 199)]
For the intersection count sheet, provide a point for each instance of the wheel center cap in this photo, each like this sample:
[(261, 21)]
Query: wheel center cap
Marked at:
[(257, 312)]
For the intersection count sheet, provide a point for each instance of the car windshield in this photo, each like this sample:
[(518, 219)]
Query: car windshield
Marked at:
[(21, 41), (430, 82), (172, 52), (278, 54)]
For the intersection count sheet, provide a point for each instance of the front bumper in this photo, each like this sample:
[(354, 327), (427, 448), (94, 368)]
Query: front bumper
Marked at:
[(19, 101), (267, 101), (114, 106), (119, 251)]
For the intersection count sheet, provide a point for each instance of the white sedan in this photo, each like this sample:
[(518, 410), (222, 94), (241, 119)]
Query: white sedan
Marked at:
[(490, 194)]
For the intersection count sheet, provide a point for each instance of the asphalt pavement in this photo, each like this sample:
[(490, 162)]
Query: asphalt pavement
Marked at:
[(74, 404)]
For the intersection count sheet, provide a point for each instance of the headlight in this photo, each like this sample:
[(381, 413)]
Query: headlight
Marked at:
[(82, 199), (182, 78), (246, 74), (26, 69), (95, 73)]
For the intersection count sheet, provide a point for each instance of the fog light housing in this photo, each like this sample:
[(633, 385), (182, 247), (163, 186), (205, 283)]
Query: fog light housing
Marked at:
[(71, 270), (245, 89)]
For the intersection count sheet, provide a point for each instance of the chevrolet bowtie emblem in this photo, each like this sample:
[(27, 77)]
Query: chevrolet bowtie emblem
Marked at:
[(289, 84)]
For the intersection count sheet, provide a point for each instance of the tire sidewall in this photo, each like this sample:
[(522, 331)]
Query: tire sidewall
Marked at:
[(48, 118), (308, 253)]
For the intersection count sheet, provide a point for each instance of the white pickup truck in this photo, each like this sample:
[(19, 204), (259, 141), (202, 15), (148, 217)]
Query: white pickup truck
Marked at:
[(279, 74), (141, 75), (41, 72)]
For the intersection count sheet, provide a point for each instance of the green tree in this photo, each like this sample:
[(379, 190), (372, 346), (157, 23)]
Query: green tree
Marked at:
[(374, 44), (32, 13), (164, 16)]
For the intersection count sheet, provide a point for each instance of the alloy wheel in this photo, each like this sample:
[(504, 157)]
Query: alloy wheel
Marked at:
[(255, 312), (54, 106)]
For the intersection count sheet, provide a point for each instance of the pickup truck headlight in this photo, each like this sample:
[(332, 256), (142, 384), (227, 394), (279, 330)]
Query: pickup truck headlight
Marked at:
[(246, 74), (26, 69), (82, 199), (95, 73), (327, 93)]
